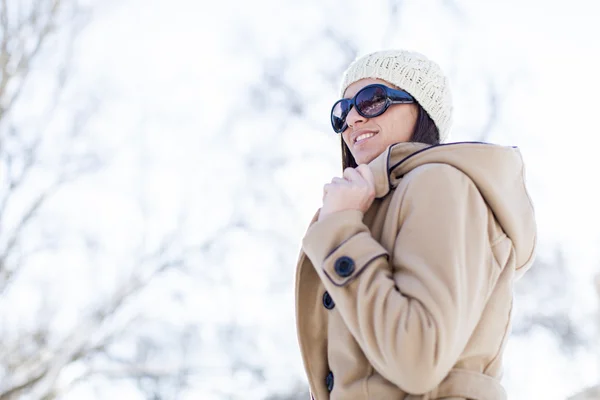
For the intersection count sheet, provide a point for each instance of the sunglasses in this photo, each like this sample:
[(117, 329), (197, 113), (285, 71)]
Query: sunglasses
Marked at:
[(370, 102)]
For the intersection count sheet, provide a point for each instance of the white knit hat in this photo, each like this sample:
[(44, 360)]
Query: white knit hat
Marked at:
[(412, 72)]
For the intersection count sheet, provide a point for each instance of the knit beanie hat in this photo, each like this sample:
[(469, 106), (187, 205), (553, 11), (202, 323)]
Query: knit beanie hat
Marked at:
[(412, 72)]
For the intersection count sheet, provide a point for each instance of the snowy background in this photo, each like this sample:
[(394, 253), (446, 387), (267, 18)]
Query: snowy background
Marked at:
[(160, 161)]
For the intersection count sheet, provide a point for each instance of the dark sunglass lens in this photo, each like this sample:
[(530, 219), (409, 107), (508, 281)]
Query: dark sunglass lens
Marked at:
[(371, 100), (338, 115)]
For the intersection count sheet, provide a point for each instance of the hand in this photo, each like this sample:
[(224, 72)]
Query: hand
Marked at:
[(356, 191)]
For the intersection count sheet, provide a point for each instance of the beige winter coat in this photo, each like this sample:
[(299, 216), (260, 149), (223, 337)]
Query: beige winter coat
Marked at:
[(413, 299)]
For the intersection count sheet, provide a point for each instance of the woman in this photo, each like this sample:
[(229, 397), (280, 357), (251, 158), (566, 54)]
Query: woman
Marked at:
[(404, 283)]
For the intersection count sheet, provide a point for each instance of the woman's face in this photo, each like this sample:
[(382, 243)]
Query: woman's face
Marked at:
[(367, 138)]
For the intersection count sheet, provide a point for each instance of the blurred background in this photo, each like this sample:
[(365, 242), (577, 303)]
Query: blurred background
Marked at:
[(160, 161)]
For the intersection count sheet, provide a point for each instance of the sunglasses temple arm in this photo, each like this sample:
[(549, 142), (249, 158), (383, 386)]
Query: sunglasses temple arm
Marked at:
[(402, 99)]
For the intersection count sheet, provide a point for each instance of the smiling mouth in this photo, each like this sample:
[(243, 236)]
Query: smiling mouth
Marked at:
[(364, 137)]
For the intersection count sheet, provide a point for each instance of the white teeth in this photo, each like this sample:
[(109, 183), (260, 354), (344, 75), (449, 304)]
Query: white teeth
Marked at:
[(364, 136)]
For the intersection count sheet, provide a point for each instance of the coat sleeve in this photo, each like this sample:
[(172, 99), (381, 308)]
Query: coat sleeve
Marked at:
[(412, 315)]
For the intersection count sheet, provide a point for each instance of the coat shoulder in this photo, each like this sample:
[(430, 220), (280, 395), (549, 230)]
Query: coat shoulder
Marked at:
[(435, 178)]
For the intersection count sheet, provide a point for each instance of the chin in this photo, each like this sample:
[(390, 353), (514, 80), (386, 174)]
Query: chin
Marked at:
[(365, 158)]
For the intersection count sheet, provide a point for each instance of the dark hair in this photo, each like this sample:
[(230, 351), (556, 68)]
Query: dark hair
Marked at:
[(425, 132)]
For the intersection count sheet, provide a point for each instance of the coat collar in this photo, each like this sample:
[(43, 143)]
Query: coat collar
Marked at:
[(384, 165)]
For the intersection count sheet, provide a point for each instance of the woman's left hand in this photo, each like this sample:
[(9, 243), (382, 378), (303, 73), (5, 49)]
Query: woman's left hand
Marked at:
[(356, 191)]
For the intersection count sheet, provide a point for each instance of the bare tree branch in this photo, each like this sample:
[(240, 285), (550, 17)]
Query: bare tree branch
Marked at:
[(15, 390), (23, 65), (28, 215), (4, 55), (85, 341)]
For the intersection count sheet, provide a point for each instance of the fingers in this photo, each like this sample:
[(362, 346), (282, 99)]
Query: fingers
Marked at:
[(366, 173), (325, 189), (355, 191), (360, 174), (337, 180), (352, 175)]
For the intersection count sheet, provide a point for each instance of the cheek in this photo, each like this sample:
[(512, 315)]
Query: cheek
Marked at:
[(346, 136), (413, 116), (403, 121)]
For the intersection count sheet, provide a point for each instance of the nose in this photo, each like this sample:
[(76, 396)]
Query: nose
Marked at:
[(354, 117)]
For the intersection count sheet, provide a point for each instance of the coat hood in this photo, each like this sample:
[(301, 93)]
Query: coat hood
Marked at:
[(497, 171)]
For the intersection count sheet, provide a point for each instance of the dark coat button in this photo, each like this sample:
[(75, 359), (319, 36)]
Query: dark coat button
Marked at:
[(329, 381), (328, 301), (344, 266)]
